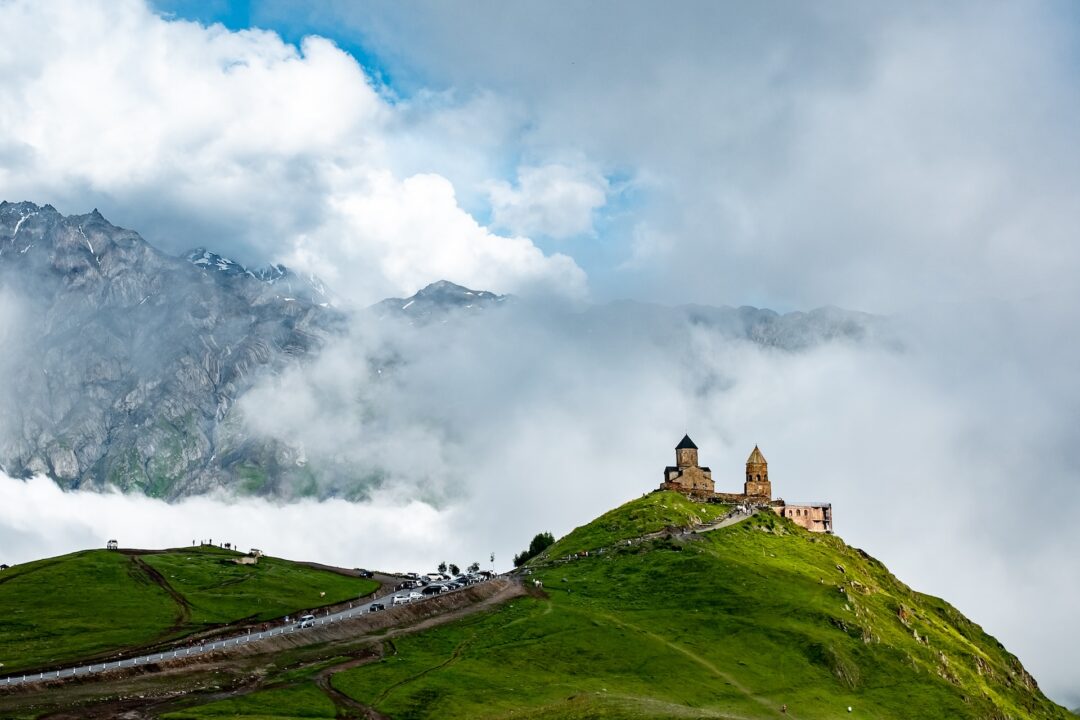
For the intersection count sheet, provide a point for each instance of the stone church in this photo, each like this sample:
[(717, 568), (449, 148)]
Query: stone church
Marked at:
[(690, 478)]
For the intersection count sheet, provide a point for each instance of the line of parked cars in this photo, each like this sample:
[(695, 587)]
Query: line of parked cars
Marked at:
[(419, 586)]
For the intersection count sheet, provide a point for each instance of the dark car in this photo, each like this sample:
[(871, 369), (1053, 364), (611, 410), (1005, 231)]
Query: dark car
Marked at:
[(364, 573), (376, 607), (432, 589)]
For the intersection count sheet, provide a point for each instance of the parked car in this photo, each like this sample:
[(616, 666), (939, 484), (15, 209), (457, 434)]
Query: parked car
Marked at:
[(399, 600), (306, 621), (364, 573), (376, 607), (415, 596), (433, 589)]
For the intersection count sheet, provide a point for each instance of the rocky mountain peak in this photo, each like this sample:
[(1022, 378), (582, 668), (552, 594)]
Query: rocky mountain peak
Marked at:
[(131, 359), (438, 300)]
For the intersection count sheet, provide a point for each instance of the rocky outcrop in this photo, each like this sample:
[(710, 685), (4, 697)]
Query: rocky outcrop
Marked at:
[(128, 360)]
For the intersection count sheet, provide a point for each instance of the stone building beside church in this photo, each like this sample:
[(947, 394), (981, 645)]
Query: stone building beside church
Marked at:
[(691, 479)]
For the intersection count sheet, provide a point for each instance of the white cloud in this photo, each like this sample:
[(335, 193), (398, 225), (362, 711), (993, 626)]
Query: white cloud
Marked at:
[(866, 155), (556, 200), (239, 141), (38, 519), (412, 232)]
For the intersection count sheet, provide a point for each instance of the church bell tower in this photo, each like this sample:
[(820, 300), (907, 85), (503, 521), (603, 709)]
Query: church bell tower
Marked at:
[(757, 476), (686, 453)]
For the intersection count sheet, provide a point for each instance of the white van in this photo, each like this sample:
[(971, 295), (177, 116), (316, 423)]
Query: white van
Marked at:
[(307, 621)]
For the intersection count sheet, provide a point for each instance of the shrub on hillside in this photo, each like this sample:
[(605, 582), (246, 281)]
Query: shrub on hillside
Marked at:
[(539, 544)]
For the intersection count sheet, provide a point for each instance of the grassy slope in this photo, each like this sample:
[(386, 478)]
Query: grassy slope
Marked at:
[(87, 603), (746, 619), (731, 624), (223, 592), (649, 514), (286, 703)]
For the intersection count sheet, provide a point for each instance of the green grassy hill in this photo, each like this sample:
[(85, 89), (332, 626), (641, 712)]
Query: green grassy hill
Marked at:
[(733, 623), (90, 603)]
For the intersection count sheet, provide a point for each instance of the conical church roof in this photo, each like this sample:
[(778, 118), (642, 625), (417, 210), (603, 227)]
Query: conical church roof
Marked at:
[(756, 458), (686, 444)]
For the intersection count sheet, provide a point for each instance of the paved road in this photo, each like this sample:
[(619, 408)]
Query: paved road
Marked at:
[(360, 608)]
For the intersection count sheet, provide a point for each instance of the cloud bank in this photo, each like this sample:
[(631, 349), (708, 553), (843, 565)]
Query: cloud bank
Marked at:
[(241, 142), (870, 156)]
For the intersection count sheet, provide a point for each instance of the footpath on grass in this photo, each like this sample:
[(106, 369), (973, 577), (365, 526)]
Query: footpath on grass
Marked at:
[(314, 631), (736, 515)]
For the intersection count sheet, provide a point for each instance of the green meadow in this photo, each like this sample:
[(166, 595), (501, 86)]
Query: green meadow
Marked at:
[(95, 603)]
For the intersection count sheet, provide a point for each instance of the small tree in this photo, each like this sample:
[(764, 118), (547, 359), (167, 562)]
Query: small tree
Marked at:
[(474, 567), (442, 566), (454, 569), (540, 543)]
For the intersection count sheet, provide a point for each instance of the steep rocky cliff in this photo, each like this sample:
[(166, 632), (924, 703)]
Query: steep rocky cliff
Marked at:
[(126, 360)]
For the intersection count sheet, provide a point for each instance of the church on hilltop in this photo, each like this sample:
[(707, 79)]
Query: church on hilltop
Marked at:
[(690, 478)]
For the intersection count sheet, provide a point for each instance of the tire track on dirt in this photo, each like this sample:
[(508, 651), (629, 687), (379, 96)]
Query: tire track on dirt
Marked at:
[(184, 615)]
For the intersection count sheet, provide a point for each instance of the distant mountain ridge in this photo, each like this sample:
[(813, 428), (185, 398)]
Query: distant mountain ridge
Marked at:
[(133, 358), (132, 361)]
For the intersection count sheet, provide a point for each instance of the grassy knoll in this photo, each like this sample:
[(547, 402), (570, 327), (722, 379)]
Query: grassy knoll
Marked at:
[(78, 605), (219, 592), (89, 603), (738, 622)]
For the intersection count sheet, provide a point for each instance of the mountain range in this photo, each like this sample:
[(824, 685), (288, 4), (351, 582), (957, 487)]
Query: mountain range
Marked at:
[(123, 365)]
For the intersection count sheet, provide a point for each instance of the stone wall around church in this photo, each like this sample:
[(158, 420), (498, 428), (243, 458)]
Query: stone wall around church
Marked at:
[(815, 518)]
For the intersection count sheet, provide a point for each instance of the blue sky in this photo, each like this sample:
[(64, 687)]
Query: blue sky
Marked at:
[(290, 20)]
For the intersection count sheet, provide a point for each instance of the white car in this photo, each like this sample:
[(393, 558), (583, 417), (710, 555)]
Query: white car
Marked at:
[(415, 596), (306, 621), (399, 600)]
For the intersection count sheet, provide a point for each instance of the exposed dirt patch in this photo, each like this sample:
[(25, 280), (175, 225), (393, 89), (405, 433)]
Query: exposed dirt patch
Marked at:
[(346, 704), (184, 616)]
